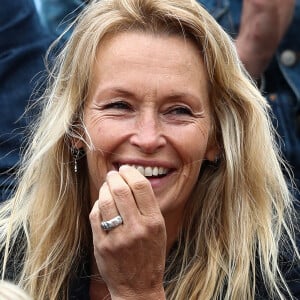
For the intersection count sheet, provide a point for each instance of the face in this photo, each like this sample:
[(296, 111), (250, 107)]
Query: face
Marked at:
[(149, 107)]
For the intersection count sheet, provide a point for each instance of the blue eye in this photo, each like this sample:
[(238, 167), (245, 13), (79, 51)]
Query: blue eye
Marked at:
[(118, 105), (180, 110)]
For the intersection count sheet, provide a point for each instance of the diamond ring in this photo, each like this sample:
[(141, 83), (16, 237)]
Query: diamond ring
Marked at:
[(113, 223)]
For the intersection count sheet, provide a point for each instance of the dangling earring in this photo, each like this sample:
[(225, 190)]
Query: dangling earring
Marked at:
[(77, 153), (75, 165), (216, 160)]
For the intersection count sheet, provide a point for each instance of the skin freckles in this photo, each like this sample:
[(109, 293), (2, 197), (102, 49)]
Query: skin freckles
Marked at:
[(149, 105)]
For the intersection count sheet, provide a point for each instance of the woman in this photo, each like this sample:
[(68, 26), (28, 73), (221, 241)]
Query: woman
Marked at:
[(144, 178)]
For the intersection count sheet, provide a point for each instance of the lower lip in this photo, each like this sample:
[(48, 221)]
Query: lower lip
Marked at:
[(159, 182)]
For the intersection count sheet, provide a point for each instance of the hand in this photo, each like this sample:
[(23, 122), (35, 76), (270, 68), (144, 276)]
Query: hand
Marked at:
[(130, 257), (263, 24)]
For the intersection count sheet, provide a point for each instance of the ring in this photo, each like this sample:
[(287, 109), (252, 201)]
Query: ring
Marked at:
[(113, 223)]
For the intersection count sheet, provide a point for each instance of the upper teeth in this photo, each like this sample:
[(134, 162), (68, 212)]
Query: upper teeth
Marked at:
[(151, 171)]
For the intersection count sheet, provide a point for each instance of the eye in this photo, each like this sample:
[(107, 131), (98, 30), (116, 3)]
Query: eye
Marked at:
[(122, 105), (180, 110)]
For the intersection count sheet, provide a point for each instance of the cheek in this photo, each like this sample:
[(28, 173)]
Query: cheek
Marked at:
[(193, 145), (103, 134), (99, 144), (194, 155), (193, 149), (103, 139), (190, 174)]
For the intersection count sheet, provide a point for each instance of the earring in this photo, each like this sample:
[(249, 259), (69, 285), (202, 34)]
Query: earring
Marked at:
[(75, 165), (77, 154), (216, 160)]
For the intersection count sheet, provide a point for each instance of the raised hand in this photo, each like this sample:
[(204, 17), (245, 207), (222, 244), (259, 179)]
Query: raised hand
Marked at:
[(131, 256)]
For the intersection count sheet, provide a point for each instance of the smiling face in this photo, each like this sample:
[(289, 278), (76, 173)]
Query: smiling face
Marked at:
[(149, 107)]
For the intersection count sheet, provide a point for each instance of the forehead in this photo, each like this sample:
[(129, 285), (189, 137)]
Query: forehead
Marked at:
[(144, 61), (125, 45)]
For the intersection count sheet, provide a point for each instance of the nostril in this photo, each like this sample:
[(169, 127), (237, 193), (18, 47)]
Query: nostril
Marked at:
[(148, 143)]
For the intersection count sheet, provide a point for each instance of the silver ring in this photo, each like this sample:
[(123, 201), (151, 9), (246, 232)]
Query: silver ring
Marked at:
[(113, 223)]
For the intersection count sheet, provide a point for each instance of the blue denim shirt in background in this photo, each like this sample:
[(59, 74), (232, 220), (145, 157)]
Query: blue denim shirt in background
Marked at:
[(56, 15), (282, 78), (23, 44)]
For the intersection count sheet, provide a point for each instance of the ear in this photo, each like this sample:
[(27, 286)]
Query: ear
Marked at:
[(77, 143), (77, 138), (212, 151), (212, 155)]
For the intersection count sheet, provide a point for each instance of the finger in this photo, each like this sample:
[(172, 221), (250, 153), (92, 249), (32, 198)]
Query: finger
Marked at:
[(123, 196), (106, 203), (141, 189), (95, 221)]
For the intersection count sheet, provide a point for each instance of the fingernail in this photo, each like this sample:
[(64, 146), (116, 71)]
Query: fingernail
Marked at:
[(111, 173), (124, 167)]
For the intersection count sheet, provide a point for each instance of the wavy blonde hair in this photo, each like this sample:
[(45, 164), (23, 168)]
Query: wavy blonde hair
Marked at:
[(239, 211), (10, 291)]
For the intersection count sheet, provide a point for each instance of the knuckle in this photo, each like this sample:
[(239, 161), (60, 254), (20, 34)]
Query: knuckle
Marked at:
[(105, 204), (122, 192), (140, 233), (102, 248), (141, 185), (156, 225), (152, 227), (93, 216), (109, 248)]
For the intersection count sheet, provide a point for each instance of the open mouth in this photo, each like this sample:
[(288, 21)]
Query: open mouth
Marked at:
[(149, 171)]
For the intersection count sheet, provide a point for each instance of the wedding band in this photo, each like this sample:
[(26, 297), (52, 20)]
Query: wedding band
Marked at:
[(113, 223)]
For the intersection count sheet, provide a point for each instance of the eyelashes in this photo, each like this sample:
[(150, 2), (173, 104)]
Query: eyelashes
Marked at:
[(180, 110), (118, 105), (176, 110)]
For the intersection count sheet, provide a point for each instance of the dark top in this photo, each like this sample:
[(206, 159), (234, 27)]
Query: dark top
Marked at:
[(79, 286), (79, 289)]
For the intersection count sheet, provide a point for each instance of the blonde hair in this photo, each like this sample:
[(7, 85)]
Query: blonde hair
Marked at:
[(239, 210), (10, 291)]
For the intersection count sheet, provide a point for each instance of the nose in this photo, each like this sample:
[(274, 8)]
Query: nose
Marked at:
[(148, 135)]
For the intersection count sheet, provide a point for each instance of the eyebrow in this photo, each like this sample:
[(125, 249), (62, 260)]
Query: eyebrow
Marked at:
[(182, 95), (114, 91), (123, 92)]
